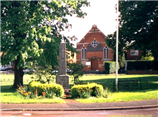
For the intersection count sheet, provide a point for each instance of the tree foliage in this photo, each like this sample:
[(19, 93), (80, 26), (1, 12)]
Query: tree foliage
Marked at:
[(138, 27), (31, 31), (76, 71)]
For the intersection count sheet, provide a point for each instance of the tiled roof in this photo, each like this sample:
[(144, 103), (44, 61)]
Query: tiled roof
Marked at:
[(94, 29)]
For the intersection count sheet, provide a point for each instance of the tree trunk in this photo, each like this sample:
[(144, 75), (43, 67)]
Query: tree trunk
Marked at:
[(18, 74)]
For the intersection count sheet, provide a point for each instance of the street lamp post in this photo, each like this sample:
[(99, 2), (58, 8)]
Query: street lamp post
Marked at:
[(117, 36)]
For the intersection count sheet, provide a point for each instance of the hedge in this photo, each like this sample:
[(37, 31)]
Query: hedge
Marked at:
[(87, 90), (110, 67), (142, 65), (53, 88)]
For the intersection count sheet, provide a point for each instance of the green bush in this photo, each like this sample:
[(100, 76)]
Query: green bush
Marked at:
[(87, 90), (46, 90), (142, 65), (110, 67), (76, 71), (147, 57)]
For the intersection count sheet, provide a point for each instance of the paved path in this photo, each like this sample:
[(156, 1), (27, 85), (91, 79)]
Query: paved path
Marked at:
[(149, 112), (72, 105)]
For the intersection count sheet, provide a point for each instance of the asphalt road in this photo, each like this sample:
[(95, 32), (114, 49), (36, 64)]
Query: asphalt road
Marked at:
[(150, 112)]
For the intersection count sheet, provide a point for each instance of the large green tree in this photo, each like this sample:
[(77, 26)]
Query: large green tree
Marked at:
[(138, 27), (30, 32)]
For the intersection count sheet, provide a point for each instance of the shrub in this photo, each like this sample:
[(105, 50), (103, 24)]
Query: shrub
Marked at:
[(46, 90), (147, 57), (76, 71), (110, 67), (24, 91), (87, 90), (44, 74), (107, 93), (142, 65)]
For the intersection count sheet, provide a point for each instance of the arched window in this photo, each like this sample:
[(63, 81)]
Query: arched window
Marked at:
[(83, 53), (105, 51)]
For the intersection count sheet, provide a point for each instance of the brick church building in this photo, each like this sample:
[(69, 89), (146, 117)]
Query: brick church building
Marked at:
[(93, 51)]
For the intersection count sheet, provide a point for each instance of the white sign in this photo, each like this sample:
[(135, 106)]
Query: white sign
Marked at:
[(88, 63)]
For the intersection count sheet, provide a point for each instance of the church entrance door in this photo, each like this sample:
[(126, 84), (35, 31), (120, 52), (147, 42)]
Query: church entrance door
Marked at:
[(94, 64)]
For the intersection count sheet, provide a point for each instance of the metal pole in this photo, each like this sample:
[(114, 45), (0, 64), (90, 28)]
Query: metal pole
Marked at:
[(117, 36)]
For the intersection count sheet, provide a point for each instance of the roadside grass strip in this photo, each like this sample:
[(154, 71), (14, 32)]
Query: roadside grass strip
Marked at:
[(123, 96)]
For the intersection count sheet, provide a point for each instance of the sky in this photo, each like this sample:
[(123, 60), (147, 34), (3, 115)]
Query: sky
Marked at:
[(101, 13)]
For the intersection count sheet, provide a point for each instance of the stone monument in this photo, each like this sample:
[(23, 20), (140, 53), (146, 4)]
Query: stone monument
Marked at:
[(62, 78)]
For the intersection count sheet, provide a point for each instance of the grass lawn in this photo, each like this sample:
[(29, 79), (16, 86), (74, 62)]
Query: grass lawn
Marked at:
[(14, 97), (11, 96), (123, 96), (149, 85), (148, 82), (149, 88)]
